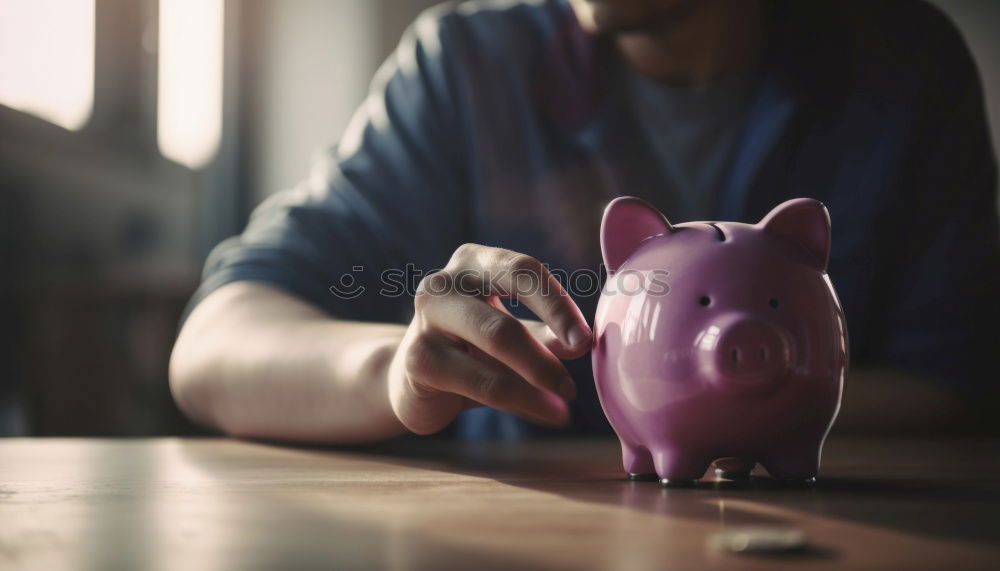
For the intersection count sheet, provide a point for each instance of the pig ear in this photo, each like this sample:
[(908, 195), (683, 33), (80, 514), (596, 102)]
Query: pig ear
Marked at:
[(805, 222), (628, 221)]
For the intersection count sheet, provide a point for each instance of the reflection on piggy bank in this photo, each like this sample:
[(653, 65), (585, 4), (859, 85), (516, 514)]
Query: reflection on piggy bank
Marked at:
[(719, 342)]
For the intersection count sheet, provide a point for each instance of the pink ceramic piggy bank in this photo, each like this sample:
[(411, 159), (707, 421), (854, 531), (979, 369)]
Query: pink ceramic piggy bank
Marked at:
[(719, 342)]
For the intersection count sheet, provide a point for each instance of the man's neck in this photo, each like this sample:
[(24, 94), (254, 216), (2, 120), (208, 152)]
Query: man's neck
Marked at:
[(713, 40)]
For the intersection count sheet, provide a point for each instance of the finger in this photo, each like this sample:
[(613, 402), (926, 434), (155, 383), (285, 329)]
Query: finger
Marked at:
[(501, 336), (420, 407), (487, 382), (544, 335), (521, 277)]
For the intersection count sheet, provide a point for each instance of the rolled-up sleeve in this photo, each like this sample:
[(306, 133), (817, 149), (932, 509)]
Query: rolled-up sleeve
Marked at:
[(392, 193)]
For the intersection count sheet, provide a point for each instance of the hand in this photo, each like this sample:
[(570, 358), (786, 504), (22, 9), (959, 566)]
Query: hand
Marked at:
[(464, 349)]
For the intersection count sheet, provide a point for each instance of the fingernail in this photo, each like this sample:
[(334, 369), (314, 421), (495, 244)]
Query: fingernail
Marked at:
[(566, 388), (578, 335)]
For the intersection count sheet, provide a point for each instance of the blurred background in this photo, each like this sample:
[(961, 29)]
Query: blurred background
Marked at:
[(137, 134)]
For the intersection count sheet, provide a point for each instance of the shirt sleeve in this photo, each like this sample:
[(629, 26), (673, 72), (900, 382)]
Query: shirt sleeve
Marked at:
[(388, 197), (944, 283)]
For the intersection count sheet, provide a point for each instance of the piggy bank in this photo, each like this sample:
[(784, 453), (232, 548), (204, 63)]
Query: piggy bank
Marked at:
[(719, 342)]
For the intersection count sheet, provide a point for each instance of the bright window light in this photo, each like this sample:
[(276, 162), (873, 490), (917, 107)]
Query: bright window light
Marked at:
[(47, 59), (189, 104)]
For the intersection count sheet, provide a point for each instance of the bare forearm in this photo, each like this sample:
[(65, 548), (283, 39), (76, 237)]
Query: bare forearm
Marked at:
[(254, 361)]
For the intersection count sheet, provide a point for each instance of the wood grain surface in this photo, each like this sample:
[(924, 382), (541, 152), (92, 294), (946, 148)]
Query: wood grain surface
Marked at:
[(430, 504)]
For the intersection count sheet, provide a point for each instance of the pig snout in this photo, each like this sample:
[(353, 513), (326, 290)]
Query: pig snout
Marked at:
[(743, 352)]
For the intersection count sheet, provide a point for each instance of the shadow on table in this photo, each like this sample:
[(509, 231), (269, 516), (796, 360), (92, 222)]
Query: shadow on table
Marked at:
[(305, 518), (928, 506)]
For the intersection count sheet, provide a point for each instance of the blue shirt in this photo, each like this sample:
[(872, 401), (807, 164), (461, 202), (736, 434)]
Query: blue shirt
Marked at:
[(505, 124), (692, 132)]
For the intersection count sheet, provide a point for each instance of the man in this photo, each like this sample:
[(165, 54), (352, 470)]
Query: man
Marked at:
[(507, 127)]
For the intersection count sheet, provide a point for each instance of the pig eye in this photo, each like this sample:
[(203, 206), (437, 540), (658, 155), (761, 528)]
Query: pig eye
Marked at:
[(705, 301), (773, 302)]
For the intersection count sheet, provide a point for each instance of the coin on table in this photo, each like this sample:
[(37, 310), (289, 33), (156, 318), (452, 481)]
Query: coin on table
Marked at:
[(759, 540)]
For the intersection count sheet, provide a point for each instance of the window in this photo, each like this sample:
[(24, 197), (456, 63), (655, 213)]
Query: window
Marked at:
[(47, 59), (189, 108)]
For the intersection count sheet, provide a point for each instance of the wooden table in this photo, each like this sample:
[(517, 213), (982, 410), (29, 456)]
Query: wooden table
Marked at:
[(225, 504)]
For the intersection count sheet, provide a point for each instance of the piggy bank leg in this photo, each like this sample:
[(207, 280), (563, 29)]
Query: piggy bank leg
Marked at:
[(638, 463), (734, 468), (678, 468), (798, 467)]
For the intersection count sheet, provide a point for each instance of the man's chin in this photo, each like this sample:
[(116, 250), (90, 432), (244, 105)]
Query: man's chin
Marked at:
[(611, 17)]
